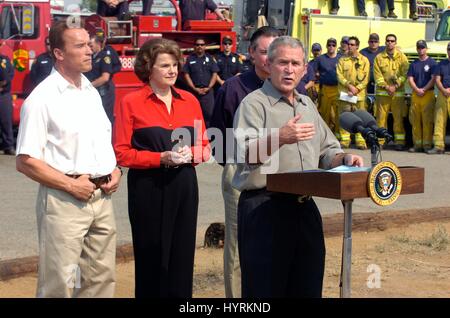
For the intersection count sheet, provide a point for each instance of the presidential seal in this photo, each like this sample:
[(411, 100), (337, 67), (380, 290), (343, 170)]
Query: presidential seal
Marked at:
[(385, 183)]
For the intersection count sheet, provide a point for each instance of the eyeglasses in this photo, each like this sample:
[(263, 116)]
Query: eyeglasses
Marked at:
[(228, 44), (331, 45), (199, 44), (390, 41), (373, 41)]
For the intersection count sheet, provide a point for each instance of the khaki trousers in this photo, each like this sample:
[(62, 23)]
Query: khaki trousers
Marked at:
[(441, 113), (328, 107), (231, 266), (77, 245), (345, 135), (421, 118), (395, 105)]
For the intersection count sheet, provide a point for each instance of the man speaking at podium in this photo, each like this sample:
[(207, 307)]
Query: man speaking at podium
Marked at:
[(280, 235)]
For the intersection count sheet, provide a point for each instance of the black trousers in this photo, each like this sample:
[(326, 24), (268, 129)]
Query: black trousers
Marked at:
[(382, 3), (281, 246), (163, 205), (108, 100), (6, 124), (207, 105)]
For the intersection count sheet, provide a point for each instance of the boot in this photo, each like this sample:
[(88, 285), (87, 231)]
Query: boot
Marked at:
[(413, 15), (334, 11), (391, 14), (363, 14)]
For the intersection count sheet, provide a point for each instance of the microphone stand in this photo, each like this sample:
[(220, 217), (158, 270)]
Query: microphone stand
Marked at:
[(375, 150)]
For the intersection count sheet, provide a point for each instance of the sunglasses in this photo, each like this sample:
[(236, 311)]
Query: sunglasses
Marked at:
[(199, 44), (331, 45), (228, 44), (390, 41), (372, 41)]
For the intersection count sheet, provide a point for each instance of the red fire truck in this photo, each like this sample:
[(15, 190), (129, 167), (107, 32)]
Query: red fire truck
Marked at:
[(24, 25)]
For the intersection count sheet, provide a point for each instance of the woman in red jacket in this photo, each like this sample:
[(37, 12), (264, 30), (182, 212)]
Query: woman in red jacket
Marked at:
[(159, 134)]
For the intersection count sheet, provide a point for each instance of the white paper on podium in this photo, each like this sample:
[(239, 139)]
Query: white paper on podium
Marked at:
[(347, 98), (346, 169)]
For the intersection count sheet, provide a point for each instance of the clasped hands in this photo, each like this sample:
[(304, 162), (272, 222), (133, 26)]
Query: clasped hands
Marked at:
[(175, 158)]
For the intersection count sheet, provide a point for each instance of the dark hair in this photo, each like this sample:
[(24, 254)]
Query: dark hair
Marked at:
[(355, 39), (391, 35), (266, 31), (148, 53), (97, 38), (56, 35)]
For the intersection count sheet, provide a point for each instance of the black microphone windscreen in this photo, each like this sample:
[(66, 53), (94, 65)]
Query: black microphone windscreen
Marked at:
[(349, 122), (367, 118)]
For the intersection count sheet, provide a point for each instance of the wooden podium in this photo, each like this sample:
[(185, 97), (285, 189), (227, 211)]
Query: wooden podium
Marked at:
[(345, 187)]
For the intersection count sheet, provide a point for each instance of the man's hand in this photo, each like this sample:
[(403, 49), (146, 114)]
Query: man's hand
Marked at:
[(113, 184), (353, 160), (447, 92), (391, 90), (420, 91), (81, 188), (352, 90), (292, 132)]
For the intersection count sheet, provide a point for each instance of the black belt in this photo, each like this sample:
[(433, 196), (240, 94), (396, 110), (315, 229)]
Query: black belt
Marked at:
[(96, 181), (300, 198)]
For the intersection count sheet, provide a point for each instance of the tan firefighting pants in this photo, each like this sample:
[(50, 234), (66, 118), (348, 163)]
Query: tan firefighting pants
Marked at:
[(77, 245), (395, 105), (328, 107), (345, 135), (421, 117), (441, 113)]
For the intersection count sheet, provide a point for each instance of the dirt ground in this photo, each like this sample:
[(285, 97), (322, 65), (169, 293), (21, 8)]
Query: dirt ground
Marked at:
[(407, 261)]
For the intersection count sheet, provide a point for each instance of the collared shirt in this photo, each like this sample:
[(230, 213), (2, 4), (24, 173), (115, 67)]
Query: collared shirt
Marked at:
[(6, 74), (228, 98), (200, 69), (267, 108), (326, 67), (41, 68), (143, 128), (422, 71), (101, 63), (67, 127), (229, 65), (195, 9), (443, 70)]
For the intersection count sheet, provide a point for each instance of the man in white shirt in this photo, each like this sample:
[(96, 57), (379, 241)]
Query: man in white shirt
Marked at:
[(64, 143)]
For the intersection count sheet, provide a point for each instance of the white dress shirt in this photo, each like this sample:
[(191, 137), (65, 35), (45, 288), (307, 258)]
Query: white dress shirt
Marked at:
[(67, 127)]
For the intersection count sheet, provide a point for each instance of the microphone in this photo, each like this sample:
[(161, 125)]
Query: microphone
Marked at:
[(353, 124), (370, 122)]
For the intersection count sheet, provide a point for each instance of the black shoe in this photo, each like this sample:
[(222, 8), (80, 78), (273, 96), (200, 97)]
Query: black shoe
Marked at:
[(436, 151), (9, 152), (399, 147), (363, 14), (334, 11), (384, 15), (415, 149)]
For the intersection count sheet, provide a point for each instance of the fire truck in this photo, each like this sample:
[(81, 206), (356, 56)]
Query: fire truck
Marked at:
[(311, 21), (24, 25)]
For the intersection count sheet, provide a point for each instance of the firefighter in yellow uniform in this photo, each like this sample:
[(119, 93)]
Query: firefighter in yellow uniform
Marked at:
[(390, 68), (353, 73)]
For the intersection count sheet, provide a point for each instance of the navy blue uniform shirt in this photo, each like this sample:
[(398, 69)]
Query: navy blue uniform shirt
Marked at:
[(443, 70), (41, 68), (229, 65), (326, 66), (195, 9), (422, 71), (371, 57), (227, 101), (200, 69), (6, 74), (309, 76), (101, 63), (115, 60)]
